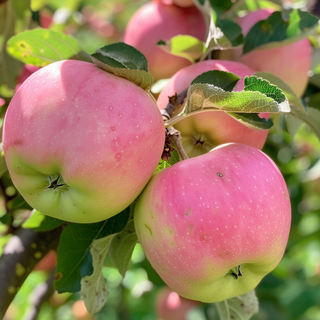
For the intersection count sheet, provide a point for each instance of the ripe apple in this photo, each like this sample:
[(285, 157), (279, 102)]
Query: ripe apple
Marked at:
[(204, 131), (48, 262), (81, 143), (290, 62), (213, 226), (170, 306), (180, 3), (155, 21)]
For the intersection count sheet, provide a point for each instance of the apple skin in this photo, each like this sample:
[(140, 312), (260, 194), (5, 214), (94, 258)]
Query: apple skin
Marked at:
[(155, 21), (204, 131), (48, 262), (180, 3), (202, 217), (101, 134), (290, 62), (170, 306)]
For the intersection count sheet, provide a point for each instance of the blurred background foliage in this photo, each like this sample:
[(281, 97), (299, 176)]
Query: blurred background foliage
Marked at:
[(291, 291)]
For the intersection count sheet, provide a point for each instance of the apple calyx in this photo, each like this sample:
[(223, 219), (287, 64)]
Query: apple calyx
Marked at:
[(55, 182), (236, 272)]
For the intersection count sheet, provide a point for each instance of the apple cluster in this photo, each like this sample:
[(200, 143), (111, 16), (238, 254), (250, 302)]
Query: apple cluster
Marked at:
[(213, 226), (82, 144)]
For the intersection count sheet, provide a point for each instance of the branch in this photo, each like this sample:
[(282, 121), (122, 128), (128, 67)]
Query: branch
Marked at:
[(20, 255), (175, 137), (174, 102)]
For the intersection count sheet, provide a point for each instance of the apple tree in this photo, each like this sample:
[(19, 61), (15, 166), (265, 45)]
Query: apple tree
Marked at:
[(155, 144)]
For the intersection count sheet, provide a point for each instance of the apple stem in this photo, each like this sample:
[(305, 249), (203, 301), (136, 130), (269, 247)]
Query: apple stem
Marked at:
[(175, 137), (174, 102)]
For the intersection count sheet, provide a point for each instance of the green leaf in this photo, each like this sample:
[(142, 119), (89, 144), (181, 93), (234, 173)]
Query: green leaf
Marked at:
[(166, 164), (222, 79), (40, 222), (221, 5), (124, 61), (184, 46), (121, 55), (3, 164), (204, 97), (254, 83), (41, 47), (74, 257), (232, 31), (291, 96), (311, 118), (241, 307), (10, 68), (252, 120), (122, 246), (93, 287), (19, 203), (6, 219), (268, 32)]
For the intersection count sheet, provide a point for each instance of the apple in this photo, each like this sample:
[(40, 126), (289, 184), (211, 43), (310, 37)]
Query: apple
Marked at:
[(170, 306), (155, 21), (180, 3), (48, 262), (204, 131), (81, 143), (290, 62), (213, 226)]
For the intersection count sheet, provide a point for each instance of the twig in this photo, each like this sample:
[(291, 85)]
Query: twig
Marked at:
[(174, 102), (175, 136), (40, 294), (20, 255)]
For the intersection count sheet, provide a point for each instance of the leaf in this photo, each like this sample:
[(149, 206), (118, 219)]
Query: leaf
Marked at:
[(124, 61), (206, 97), (291, 96), (221, 5), (166, 164), (184, 46), (311, 118), (122, 246), (10, 68), (269, 32), (122, 55), (93, 287), (19, 203), (254, 83), (232, 31), (222, 79), (252, 120), (41, 47), (3, 164), (74, 258), (40, 222), (241, 307)]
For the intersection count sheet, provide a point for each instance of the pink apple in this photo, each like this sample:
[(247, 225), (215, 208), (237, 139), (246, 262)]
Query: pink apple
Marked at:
[(27, 71), (290, 62), (213, 226), (48, 262), (180, 3), (204, 131), (155, 21), (170, 306), (81, 143)]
